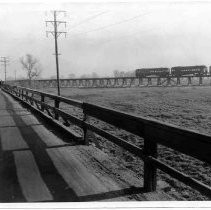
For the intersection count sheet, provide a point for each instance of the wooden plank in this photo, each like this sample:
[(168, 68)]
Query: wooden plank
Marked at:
[(3, 112), (30, 119), (118, 141), (204, 189), (15, 104), (122, 183), (186, 141), (11, 139), (31, 182), (7, 121), (189, 143), (21, 112), (47, 137), (77, 175), (59, 98), (119, 119), (2, 101), (71, 118)]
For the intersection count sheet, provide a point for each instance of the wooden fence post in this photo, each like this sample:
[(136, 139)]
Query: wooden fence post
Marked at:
[(200, 81), (31, 99), (178, 80), (22, 94), (42, 100), (86, 139), (16, 91), (189, 81), (150, 171), (56, 105), (26, 96), (149, 81), (85, 130)]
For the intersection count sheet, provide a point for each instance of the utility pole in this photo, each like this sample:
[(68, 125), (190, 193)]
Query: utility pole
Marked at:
[(5, 61), (56, 34)]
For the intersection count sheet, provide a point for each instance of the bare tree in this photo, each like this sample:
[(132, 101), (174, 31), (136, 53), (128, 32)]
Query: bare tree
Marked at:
[(31, 65)]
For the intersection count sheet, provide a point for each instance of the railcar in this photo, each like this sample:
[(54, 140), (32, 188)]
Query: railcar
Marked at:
[(189, 70), (146, 72)]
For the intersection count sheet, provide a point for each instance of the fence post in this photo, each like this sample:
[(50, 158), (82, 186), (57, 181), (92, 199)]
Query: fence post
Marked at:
[(56, 105), (150, 172), (16, 91), (149, 81), (26, 97), (178, 80), (200, 80), (189, 81), (22, 94), (31, 100), (158, 81), (42, 100), (168, 81), (84, 127)]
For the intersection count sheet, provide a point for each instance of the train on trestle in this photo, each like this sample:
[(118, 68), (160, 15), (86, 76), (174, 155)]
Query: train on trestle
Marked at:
[(177, 71)]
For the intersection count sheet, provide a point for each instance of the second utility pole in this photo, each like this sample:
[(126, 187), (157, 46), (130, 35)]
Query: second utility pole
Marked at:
[(56, 34), (5, 60), (56, 52)]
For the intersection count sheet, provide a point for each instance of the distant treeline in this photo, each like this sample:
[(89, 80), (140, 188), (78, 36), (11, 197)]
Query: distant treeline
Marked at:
[(116, 73)]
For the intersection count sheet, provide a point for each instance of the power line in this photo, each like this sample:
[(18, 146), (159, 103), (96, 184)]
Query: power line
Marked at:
[(111, 25), (56, 34), (5, 61), (88, 19), (119, 38)]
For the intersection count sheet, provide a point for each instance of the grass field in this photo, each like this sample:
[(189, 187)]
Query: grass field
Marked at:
[(188, 107)]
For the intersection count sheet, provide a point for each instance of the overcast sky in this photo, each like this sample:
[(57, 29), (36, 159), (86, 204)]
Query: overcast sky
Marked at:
[(102, 37)]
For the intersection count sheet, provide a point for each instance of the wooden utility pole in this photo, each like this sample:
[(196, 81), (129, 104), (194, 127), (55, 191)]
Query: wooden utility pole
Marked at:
[(5, 61), (56, 34)]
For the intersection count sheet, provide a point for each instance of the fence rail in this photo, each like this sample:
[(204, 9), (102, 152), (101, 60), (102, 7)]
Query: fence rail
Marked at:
[(153, 132)]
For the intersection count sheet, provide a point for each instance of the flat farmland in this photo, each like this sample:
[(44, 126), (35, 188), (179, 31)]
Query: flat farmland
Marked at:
[(188, 107)]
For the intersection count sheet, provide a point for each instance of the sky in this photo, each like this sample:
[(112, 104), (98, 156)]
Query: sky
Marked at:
[(103, 36)]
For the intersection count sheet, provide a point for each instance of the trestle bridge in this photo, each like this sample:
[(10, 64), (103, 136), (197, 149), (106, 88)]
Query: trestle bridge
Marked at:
[(118, 82)]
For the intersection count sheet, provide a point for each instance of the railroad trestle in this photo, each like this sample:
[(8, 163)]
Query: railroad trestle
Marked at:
[(118, 82)]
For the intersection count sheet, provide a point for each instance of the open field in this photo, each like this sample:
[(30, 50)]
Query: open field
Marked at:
[(188, 107)]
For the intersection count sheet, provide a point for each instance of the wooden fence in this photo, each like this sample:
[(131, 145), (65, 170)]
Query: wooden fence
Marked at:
[(153, 132)]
